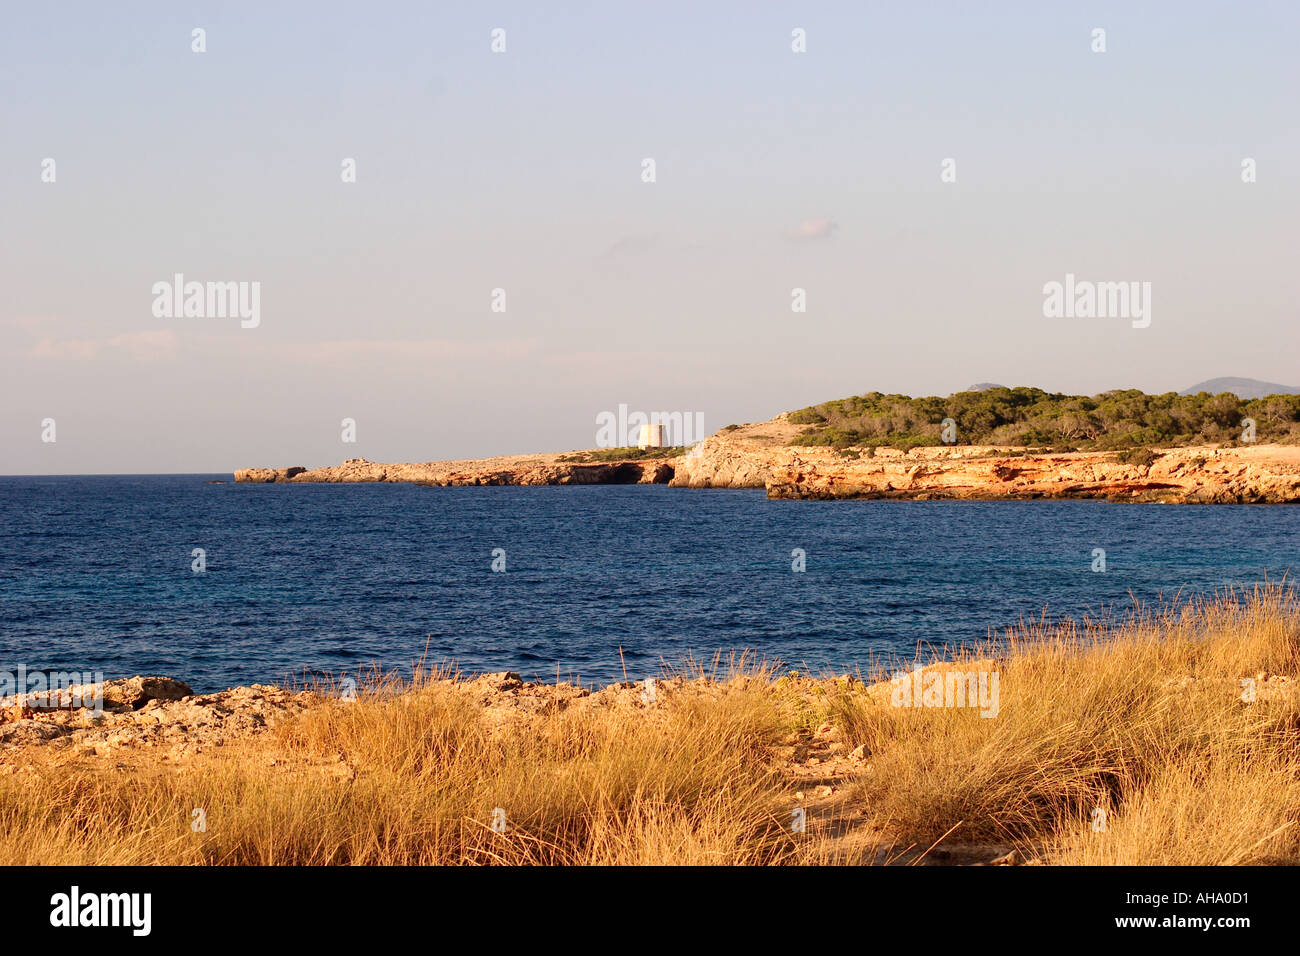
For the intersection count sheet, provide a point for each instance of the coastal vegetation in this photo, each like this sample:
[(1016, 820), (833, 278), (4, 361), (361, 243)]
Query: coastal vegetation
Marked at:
[(1119, 419), (630, 453), (1172, 738), (1177, 728)]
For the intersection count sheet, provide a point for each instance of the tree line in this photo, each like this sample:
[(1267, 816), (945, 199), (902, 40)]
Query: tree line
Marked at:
[(1118, 419)]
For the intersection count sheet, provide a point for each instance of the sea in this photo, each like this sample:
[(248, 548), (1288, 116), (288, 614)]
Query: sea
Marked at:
[(221, 584)]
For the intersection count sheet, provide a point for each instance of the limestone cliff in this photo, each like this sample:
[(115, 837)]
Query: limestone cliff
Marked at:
[(514, 470), (760, 456)]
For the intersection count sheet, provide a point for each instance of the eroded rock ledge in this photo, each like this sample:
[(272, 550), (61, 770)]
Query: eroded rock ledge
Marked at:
[(144, 712), (760, 456), (518, 470)]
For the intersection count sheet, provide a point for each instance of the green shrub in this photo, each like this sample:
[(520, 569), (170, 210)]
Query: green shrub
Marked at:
[(1144, 457), (1112, 421)]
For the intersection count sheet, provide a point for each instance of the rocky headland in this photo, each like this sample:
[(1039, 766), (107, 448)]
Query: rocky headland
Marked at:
[(761, 456), (552, 469)]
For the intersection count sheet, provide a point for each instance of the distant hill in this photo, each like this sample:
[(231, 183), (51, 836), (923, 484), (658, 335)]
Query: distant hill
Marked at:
[(983, 387), (1241, 387)]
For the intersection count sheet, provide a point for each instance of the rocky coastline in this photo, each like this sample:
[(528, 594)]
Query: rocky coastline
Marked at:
[(760, 456), (514, 470)]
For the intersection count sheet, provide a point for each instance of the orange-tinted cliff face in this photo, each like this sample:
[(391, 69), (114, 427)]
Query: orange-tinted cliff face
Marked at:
[(759, 456)]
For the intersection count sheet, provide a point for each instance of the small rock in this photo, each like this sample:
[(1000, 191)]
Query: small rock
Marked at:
[(132, 693), (15, 713)]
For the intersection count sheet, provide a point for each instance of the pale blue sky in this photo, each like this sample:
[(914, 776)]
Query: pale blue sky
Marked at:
[(522, 171)]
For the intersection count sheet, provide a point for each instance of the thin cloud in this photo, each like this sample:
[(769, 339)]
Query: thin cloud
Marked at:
[(627, 251), (821, 228), (152, 346), (341, 351)]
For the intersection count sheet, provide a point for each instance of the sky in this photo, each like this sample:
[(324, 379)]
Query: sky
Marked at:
[(524, 171)]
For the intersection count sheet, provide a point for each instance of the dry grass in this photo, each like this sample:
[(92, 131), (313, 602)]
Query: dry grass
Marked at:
[(411, 774), (1143, 719)]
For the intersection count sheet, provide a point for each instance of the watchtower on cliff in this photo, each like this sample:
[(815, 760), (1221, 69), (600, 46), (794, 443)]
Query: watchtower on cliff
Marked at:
[(652, 436)]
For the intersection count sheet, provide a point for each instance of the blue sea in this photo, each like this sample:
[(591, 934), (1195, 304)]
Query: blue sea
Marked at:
[(96, 573)]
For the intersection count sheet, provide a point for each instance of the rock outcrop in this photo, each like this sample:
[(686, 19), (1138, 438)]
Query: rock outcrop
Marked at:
[(516, 470), (760, 456), (268, 475), (144, 712), (129, 693)]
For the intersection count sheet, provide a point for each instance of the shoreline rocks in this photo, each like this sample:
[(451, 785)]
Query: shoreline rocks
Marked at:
[(143, 712), (760, 456), (519, 470), (161, 715)]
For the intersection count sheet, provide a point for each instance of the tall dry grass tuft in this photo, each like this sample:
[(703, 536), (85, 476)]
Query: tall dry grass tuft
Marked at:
[(1145, 720), (412, 773), (1231, 810)]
